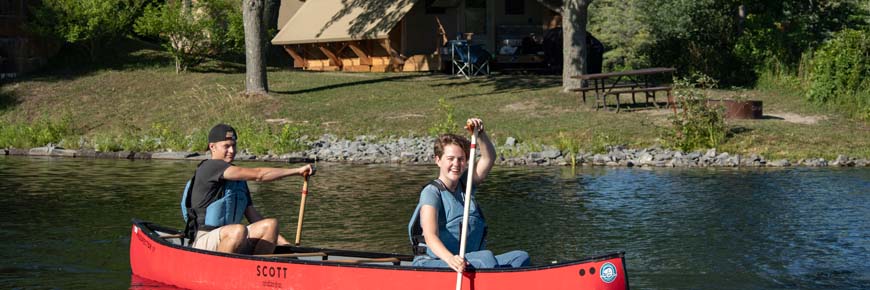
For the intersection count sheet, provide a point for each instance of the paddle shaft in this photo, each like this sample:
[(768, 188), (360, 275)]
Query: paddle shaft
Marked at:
[(469, 182), (301, 210)]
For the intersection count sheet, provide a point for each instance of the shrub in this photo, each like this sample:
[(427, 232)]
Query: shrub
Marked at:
[(841, 71), (92, 24), (41, 132), (211, 28), (699, 125), (570, 146), (448, 123)]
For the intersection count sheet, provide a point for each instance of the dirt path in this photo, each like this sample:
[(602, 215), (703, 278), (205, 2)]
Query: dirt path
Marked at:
[(783, 116), (795, 118)]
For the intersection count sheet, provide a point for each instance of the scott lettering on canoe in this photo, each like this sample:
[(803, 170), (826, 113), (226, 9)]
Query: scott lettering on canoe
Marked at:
[(272, 272)]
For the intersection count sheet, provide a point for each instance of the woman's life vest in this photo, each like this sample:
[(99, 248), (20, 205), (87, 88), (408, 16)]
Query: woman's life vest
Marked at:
[(452, 209), (229, 208)]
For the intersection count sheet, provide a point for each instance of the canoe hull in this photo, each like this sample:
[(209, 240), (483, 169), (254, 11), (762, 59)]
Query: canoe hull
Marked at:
[(153, 258)]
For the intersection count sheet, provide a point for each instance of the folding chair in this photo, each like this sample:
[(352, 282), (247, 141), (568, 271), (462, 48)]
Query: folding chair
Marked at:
[(468, 60)]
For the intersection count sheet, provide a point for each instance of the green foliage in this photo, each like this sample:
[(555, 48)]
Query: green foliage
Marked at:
[(211, 28), (600, 142), (41, 132), (707, 36), (841, 71), (259, 137), (694, 37), (448, 123), (570, 146), (699, 125), (777, 33), (92, 24), (255, 137), (620, 27)]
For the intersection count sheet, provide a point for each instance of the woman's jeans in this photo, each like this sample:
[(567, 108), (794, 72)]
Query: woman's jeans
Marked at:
[(480, 260)]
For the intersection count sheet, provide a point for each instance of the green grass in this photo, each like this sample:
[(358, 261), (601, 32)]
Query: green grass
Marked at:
[(149, 107)]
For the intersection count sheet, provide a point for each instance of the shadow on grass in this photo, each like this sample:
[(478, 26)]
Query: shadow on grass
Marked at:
[(347, 84), (734, 131), (769, 117), (7, 100), (126, 54), (505, 84), (219, 66)]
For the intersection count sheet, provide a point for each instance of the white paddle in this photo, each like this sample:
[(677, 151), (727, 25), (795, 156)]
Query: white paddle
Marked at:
[(470, 178)]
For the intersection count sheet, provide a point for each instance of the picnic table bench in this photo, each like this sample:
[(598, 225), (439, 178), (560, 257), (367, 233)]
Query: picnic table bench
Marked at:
[(626, 82)]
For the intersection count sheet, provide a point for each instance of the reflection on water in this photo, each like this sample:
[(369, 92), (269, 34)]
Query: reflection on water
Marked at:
[(66, 221)]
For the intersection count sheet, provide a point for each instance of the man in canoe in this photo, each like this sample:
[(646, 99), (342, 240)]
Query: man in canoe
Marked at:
[(217, 197), (438, 216)]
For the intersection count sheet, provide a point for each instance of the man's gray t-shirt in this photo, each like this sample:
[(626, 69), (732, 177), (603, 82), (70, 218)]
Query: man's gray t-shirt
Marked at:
[(208, 183)]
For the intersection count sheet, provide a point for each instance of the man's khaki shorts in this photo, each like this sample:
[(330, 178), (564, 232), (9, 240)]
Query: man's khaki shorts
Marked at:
[(209, 240)]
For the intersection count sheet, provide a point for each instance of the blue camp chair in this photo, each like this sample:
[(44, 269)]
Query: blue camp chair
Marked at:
[(468, 60)]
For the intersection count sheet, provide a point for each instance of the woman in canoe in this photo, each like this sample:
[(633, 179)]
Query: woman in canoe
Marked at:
[(437, 221)]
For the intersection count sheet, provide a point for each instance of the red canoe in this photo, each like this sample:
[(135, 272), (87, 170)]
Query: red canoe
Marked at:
[(156, 254)]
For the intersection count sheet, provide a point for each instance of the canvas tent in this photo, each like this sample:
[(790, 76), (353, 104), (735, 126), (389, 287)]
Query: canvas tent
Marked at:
[(399, 35)]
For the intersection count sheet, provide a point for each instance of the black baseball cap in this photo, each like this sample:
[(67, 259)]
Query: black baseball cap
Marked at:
[(222, 132)]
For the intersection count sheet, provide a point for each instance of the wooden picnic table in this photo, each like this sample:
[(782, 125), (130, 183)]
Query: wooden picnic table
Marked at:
[(625, 82)]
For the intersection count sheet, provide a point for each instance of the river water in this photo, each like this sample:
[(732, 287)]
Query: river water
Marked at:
[(66, 222)]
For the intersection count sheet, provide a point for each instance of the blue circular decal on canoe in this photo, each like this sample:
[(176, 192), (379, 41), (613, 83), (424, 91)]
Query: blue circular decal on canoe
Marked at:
[(608, 272)]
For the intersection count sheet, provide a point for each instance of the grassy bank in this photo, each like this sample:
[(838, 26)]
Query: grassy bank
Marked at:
[(138, 103)]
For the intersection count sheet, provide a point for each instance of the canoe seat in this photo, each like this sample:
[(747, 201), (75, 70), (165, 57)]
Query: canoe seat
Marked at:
[(395, 261), (172, 236), (322, 255)]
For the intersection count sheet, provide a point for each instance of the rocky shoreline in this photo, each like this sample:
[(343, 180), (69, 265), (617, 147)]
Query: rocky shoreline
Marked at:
[(418, 150)]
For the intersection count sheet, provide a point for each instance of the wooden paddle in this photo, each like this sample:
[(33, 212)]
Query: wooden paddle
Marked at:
[(470, 180), (302, 209)]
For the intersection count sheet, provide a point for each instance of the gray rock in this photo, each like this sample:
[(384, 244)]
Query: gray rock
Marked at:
[(779, 163), (645, 158), (663, 156), (16, 151), (843, 161), (710, 153), (551, 154), (617, 156), (510, 142), (173, 155), (733, 161), (42, 151), (600, 159), (64, 153)]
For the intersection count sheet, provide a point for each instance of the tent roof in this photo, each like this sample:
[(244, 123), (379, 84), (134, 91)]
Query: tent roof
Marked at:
[(342, 20)]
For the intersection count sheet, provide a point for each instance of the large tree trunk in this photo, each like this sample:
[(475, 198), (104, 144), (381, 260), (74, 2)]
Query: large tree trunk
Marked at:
[(255, 61), (574, 48)]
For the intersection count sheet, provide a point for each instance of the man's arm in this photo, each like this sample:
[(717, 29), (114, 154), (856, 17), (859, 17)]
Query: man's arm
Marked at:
[(264, 173)]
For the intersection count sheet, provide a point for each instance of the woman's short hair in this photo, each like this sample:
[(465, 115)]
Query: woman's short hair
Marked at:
[(451, 139)]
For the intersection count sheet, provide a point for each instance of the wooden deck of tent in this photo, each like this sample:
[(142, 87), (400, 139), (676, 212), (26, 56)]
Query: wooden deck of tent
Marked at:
[(370, 55)]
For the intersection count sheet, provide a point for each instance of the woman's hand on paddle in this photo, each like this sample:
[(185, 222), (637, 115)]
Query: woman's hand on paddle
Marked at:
[(306, 170), (457, 263), (474, 124)]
